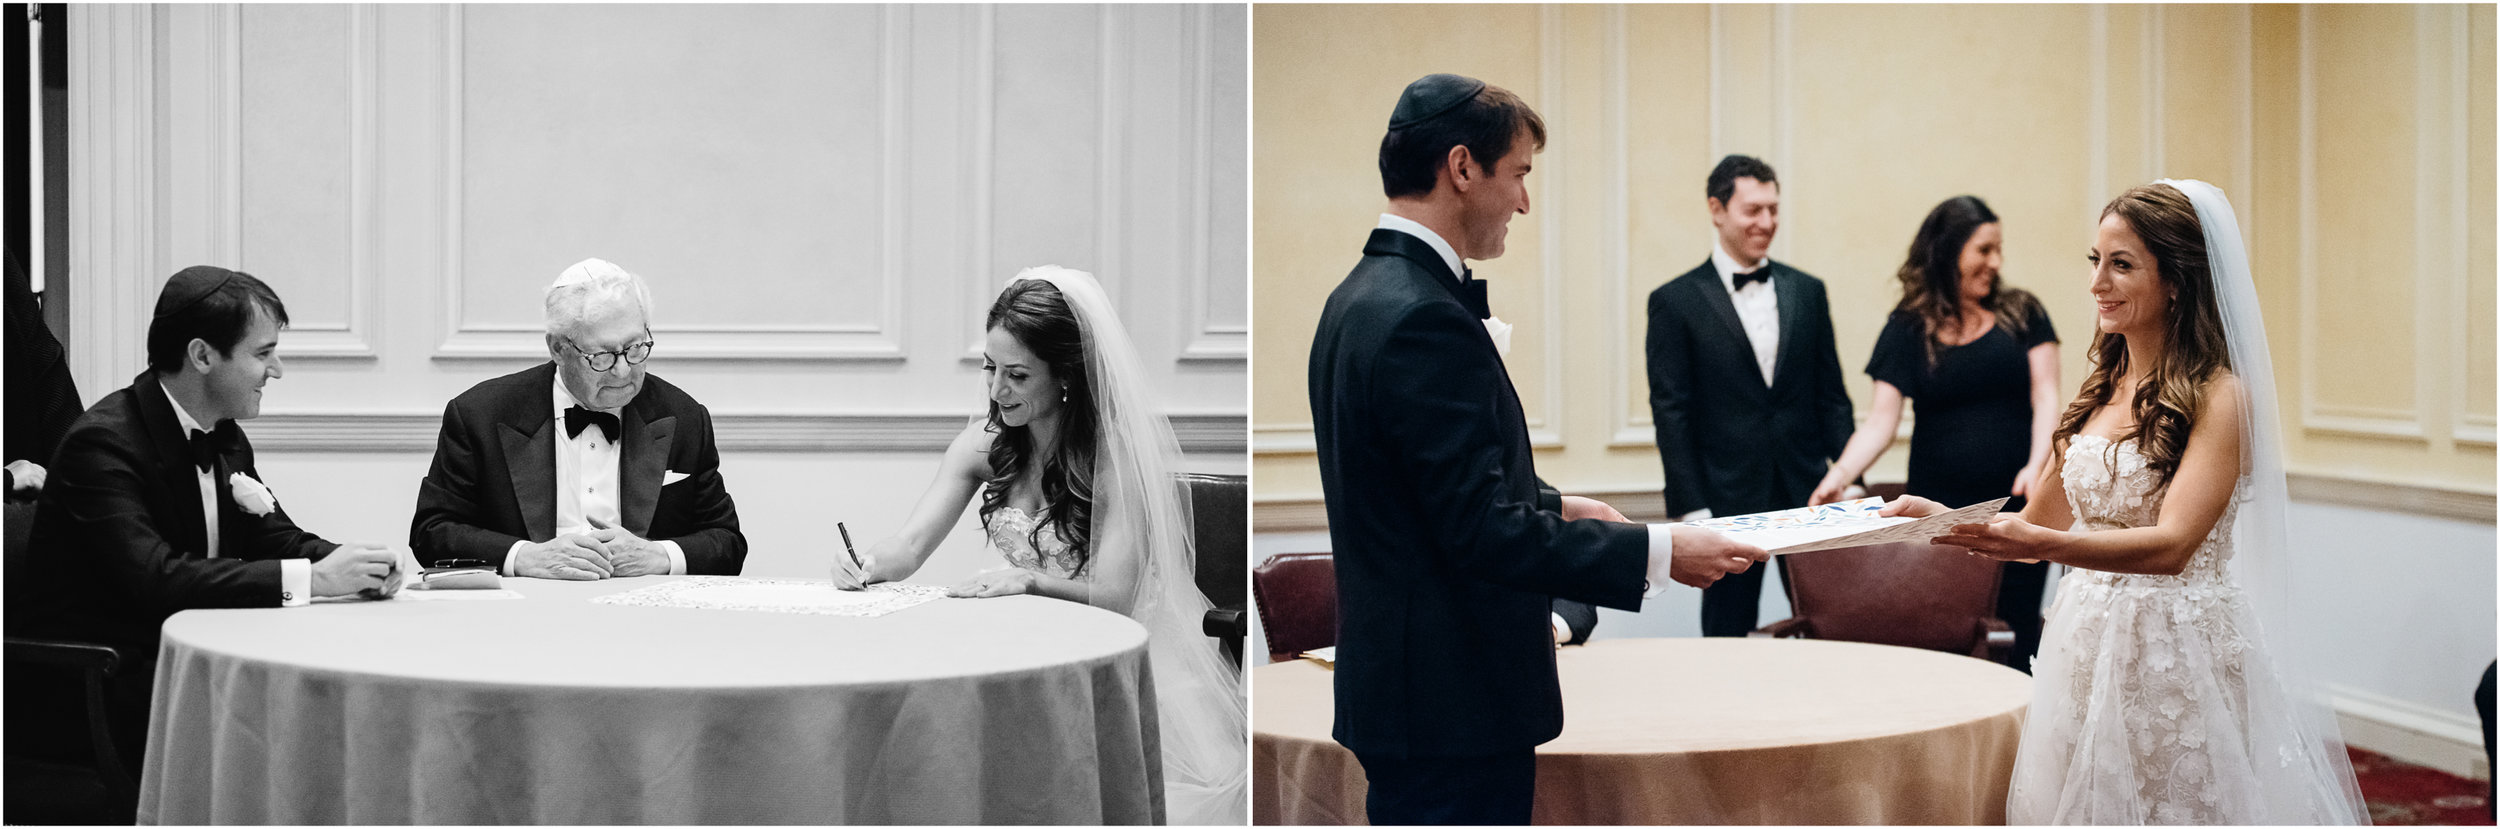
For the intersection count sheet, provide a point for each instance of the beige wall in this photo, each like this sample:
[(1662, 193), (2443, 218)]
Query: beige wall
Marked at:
[(2357, 142)]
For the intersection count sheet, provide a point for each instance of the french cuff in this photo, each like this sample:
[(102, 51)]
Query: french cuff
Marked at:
[(294, 582), (1562, 628), (676, 558), (1661, 560), (512, 557)]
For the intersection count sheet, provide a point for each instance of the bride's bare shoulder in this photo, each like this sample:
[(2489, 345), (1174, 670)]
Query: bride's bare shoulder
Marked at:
[(969, 454)]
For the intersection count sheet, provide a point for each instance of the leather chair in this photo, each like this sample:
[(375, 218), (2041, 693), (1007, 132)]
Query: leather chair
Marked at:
[(1905, 593), (1297, 596), (1220, 509), (64, 763)]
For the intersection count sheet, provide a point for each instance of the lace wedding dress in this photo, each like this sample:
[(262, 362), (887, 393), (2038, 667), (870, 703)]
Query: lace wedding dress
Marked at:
[(1201, 787), (2154, 698)]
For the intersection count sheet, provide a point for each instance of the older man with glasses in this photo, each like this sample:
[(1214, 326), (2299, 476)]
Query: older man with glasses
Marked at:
[(586, 467)]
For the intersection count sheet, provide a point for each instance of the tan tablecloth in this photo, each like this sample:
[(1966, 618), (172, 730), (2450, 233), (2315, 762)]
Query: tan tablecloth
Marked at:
[(554, 709), (1706, 731)]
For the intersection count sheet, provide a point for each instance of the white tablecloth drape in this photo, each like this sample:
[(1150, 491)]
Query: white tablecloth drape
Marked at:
[(1706, 731), (555, 709)]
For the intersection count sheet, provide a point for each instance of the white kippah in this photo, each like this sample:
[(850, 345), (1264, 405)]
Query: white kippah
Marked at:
[(588, 270)]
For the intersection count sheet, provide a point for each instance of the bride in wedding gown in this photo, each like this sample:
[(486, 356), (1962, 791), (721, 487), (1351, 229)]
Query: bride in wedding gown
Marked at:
[(1074, 467), (2163, 690)]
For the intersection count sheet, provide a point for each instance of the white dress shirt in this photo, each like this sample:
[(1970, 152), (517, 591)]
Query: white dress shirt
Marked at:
[(294, 574), (1757, 306), (1661, 543), (586, 483)]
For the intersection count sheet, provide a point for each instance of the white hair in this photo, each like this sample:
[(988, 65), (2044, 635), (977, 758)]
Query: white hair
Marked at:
[(593, 287)]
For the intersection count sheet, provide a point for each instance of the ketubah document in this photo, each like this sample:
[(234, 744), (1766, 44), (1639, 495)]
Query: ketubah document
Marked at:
[(1842, 524)]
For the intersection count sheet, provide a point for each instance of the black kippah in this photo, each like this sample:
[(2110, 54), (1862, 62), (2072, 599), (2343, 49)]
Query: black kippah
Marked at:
[(1430, 96), (188, 286)]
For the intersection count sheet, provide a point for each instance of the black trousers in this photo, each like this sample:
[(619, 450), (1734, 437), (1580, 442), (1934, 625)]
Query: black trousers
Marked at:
[(2018, 603), (1493, 790), (1732, 606)]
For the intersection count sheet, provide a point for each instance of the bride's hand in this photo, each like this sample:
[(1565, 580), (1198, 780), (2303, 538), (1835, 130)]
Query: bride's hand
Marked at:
[(1006, 582), (849, 576), (2004, 538), (1911, 506)]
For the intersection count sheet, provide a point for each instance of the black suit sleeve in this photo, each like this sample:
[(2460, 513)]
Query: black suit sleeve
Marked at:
[(1435, 402), (95, 486), (1548, 498), (447, 509), (1670, 403), (1831, 394), (1581, 618), (702, 515), (271, 536)]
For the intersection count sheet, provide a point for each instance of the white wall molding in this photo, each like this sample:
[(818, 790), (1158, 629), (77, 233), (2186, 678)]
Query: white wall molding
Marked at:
[(2450, 741), (423, 127), (1209, 340), (2392, 496), (2317, 417), (115, 263), (736, 432), (316, 340), (824, 343), (1630, 429), (1545, 423)]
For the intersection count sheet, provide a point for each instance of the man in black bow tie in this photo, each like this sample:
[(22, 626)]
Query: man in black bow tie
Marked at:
[(1449, 550), (586, 467), (1744, 380), (154, 504)]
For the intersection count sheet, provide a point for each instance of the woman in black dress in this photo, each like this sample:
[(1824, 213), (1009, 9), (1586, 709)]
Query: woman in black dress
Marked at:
[(1981, 360)]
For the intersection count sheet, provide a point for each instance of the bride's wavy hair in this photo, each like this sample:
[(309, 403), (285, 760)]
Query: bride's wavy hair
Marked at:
[(2173, 389), (1037, 315)]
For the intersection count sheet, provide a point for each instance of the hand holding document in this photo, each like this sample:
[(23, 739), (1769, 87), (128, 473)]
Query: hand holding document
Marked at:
[(1843, 524)]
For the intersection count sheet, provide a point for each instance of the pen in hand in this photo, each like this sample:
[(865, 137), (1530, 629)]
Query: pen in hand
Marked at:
[(853, 551)]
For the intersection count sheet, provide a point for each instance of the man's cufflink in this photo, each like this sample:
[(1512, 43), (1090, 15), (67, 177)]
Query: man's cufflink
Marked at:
[(286, 595)]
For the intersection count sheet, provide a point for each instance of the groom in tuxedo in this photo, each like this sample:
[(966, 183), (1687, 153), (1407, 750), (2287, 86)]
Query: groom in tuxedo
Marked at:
[(154, 504), (1744, 379), (1449, 549), (587, 466)]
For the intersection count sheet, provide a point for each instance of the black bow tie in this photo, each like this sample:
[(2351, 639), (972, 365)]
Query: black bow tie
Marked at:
[(577, 418), (207, 447), (1471, 293), (1761, 274)]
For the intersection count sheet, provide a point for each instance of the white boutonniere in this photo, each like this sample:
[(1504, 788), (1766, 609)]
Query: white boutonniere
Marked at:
[(253, 496), (1500, 332)]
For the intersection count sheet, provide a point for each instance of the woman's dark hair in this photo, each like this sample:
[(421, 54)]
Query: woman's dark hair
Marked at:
[(1486, 124), (2173, 389), (1037, 315), (1931, 276), (219, 316)]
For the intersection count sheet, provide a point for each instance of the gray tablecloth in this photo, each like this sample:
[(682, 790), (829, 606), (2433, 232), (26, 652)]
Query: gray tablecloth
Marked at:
[(555, 709)]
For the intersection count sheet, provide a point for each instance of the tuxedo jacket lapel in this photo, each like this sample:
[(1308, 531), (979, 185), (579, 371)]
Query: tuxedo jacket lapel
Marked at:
[(641, 467), (1714, 293), (530, 457), (1792, 325), (173, 468)]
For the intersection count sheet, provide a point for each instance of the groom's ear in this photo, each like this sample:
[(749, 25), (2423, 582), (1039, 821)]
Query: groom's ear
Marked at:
[(1459, 166)]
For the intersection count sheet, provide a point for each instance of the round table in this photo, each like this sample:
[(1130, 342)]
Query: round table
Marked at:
[(554, 709), (1706, 731)]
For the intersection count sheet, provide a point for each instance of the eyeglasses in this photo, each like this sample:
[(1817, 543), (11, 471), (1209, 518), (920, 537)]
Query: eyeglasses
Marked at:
[(605, 360)]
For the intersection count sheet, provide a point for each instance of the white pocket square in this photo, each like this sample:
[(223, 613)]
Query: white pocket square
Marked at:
[(671, 477)]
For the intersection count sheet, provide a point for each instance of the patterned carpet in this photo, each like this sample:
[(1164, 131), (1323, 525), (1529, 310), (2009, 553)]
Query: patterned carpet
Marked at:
[(2403, 794)]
